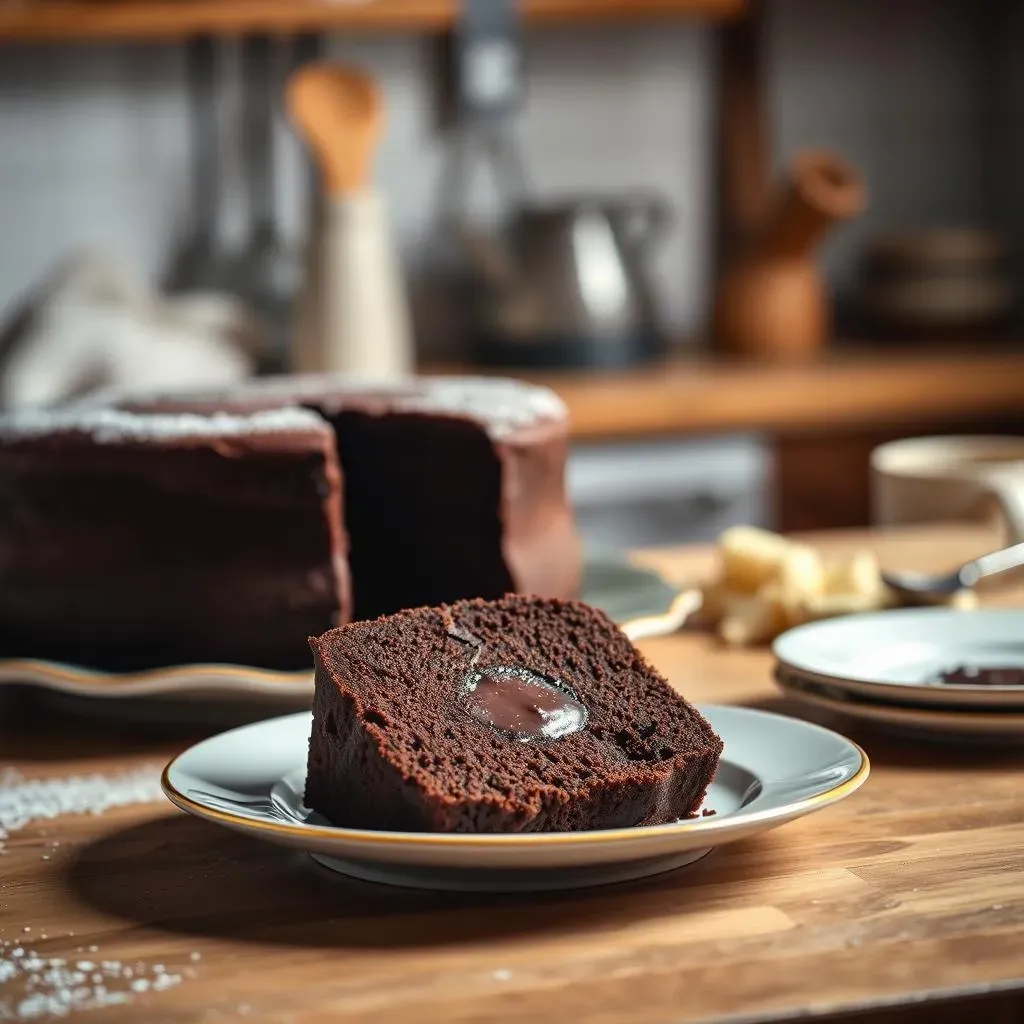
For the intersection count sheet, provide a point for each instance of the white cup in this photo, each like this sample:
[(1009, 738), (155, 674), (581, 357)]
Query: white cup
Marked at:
[(924, 479)]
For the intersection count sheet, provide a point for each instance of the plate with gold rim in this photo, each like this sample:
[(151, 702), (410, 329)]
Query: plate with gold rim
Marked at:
[(773, 769), (638, 599)]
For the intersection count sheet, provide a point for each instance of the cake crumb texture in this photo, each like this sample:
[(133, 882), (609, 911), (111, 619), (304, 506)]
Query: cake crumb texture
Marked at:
[(393, 746)]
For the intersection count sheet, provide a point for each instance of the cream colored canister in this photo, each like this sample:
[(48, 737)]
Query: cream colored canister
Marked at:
[(352, 315)]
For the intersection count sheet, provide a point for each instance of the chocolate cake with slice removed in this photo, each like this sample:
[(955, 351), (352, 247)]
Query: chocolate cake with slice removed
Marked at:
[(149, 530), (516, 715), (454, 487)]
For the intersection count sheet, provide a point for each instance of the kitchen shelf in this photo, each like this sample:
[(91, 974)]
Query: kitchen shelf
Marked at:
[(94, 20), (851, 388)]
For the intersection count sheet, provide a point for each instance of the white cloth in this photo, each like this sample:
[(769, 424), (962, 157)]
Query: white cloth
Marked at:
[(96, 327)]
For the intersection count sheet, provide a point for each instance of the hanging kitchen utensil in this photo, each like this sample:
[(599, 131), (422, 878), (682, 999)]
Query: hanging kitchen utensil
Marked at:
[(559, 284), (308, 48), (352, 315), (480, 90), (487, 64), (266, 274), (200, 263)]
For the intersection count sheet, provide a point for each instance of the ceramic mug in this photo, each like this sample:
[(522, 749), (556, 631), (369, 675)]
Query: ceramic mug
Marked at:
[(949, 478)]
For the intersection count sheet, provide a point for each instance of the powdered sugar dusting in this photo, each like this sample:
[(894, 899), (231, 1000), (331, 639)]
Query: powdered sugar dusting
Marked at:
[(23, 801), (36, 987), (114, 426), (33, 987), (502, 405)]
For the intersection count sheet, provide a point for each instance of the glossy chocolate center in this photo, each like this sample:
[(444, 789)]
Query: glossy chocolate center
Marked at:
[(522, 704)]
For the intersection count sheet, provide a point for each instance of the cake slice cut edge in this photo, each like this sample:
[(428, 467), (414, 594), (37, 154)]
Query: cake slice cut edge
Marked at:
[(516, 715)]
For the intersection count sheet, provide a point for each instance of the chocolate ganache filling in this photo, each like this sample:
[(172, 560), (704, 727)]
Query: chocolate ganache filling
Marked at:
[(522, 703)]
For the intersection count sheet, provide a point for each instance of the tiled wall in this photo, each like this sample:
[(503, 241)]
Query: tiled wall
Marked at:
[(93, 140), (898, 86)]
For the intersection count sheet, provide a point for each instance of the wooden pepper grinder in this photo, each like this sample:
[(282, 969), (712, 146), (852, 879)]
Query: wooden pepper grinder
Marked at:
[(772, 302)]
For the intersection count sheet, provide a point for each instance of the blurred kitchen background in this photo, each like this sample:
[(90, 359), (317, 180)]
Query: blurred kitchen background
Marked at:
[(746, 241)]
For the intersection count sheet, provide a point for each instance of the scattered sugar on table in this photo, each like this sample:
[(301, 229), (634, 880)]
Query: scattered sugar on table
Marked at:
[(33, 987), (24, 801)]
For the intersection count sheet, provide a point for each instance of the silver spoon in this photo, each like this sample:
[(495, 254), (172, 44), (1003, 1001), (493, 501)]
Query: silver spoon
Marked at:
[(918, 584)]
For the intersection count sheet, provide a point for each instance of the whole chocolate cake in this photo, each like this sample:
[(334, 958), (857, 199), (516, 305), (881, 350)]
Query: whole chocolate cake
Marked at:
[(517, 715), (138, 531)]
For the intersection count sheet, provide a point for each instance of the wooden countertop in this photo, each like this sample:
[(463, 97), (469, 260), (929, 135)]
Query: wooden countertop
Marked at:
[(856, 387), (898, 901), (91, 20)]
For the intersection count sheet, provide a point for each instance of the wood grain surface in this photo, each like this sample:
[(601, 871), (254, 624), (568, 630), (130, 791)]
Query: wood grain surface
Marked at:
[(91, 20), (847, 387), (905, 902)]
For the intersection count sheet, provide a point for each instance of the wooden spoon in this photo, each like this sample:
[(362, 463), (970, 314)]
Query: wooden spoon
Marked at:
[(340, 112)]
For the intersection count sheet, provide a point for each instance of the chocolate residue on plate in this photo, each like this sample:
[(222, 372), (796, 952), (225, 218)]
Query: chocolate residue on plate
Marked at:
[(973, 675)]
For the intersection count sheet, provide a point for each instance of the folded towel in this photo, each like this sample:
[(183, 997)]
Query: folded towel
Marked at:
[(93, 325)]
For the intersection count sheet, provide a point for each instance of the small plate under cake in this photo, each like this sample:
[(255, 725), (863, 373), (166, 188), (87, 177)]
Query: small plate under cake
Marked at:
[(773, 769)]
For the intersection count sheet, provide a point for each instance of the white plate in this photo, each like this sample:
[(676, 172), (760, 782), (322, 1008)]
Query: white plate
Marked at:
[(638, 599), (950, 726), (885, 656), (774, 769)]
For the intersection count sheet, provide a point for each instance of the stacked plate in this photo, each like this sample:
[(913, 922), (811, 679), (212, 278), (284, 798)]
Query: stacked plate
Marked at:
[(945, 674)]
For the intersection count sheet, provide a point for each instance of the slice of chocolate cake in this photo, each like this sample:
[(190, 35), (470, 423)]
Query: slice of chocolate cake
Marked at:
[(517, 715)]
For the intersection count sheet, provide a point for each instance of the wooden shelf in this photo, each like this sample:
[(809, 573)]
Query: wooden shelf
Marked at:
[(91, 20), (851, 389)]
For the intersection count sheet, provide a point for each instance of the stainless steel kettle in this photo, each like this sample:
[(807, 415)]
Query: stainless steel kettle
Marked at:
[(567, 284)]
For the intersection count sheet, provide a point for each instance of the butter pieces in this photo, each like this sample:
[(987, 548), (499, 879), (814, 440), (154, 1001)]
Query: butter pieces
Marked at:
[(768, 583)]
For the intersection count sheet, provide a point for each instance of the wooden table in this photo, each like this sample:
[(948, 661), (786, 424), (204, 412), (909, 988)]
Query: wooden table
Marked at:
[(905, 902)]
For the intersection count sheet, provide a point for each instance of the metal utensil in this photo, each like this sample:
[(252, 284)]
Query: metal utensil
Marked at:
[(915, 584), (266, 273), (567, 284), (306, 49), (486, 66), (200, 264)]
